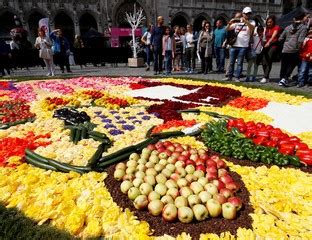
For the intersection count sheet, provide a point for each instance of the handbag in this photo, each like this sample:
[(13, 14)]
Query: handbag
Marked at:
[(45, 53), (233, 37)]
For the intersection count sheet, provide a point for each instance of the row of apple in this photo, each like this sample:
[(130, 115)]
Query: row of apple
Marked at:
[(179, 182)]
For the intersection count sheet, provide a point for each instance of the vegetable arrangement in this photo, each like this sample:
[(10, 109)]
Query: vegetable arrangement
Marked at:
[(232, 143)]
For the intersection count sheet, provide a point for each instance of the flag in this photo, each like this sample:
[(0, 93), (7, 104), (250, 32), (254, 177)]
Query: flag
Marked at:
[(44, 23)]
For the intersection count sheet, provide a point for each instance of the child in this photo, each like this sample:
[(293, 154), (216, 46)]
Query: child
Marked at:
[(255, 56), (168, 43), (305, 72)]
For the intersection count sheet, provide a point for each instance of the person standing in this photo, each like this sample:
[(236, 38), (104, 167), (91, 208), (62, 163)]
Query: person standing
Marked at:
[(305, 72), (293, 37), (204, 48), (183, 58), (243, 28), (156, 44), (190, 49), (44, 44), (78, 46), (271, 47), (179, 49), (146, 40), (61, 49), (169, 47), (220, 35)]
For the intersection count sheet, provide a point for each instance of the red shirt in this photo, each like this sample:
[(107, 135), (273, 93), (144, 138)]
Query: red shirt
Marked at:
[(306, 50), (269, 32)]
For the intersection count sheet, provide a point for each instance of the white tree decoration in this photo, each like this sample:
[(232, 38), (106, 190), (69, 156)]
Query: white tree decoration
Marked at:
[(135, 19)]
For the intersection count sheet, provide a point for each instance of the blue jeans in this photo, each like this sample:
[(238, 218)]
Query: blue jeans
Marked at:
[(168, 61), (239, 54), (148, 54), (305, 72), (220, 58)]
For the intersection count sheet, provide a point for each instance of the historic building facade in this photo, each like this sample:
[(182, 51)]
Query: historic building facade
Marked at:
[(78, 16)]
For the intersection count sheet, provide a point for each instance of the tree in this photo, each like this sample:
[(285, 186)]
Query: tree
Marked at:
[(135, 19)]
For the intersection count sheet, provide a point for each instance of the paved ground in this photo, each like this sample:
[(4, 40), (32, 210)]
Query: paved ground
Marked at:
[(123, 70)]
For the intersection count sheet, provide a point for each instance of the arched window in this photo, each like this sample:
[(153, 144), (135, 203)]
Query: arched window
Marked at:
[(64, 22), (87, 22)]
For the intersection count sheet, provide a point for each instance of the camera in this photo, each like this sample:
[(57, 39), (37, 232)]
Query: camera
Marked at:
[(236, 20)]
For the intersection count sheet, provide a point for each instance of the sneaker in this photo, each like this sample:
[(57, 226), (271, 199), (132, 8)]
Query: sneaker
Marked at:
[(191, 71), (235, 79), (264, 80), (186, 71), (49, 74), (300, 85), (52, 74), (227, 79), (283, 82)]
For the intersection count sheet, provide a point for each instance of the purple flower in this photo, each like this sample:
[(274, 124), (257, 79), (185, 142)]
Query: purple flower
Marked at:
[(103, 116), (145, 117), (136, 121), (115, 132), (98, 112), (125, 112), (122, 122), (141, 113), (106, 120), (131, 117), (117, 117), (128, 127), (110, 126), (113, 112)]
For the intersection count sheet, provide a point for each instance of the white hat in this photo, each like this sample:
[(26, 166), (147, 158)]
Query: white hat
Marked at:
[(247, 10)]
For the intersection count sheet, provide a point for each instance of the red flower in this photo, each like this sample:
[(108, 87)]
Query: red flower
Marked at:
[(249, 103)]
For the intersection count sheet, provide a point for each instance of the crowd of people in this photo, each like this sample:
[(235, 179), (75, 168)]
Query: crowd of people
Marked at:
[(177, 48)]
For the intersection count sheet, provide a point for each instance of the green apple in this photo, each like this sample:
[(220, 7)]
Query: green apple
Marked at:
[(228, 210), (155, 207), (140, 202), (185, 214), (200, 212), (214, 207)]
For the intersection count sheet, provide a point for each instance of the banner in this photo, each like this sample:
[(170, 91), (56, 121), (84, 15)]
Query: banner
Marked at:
[(44, 23)]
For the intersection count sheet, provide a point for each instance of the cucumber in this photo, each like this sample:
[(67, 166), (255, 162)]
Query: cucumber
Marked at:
[(72, 134), (97, 134), (39, 164), (114, 160), (168, 134), (84, 133), (145, 143), (130, 149), (148, 133), (189, 111), (97, 155), (77, 136)]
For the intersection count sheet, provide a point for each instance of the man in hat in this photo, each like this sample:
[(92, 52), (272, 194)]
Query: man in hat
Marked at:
[(243, 28)]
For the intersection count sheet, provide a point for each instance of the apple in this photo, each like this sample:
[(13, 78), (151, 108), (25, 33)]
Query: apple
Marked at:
[(185, 214), (145, 188), (221, 163), (155, 207), (142, 161), (222, 172), (228, 210), (185, 153), (179, 149), (194, 157), (203, 181), (119, 174), (171, 184), (163, 155), (161, 178), (151, 147), (201, 151), (185, 191), (190, 162), (171, 167), (200, 167), (175, 176), (173, 192), (168, 152), (193, 151), (212, 169), (128, 177), (200, 212), (134, 157), (190, 178), (151, 171), (199, 173), (233, 186), (180, 201), (140, 202), (133, 193), (204, 196), (214, 157), (211, 176), (139, 174), (236, 201), (163, 162), (204, 156), (167, 144), (161, 149), (132, 163), (150, 165), (159, 145), (181, 171), (146, 151), (179, 164), (226, 193), (196, 187), (121, 166), (159, 167), (137, 182), (130, 170), (170, 212), (153, 196), (211, 188), (141, 167), (200, 162), (219, 184), (167, 199), (161, 189), (214, 207), (175, 154), (171, 148), (220, 198), (226, 179), (190, 169), (171, 160), (166, 172), (182, 158), (154, 159), (125, 186), (193, 200), (211, 163), (185, 146), (154, 152), (182, 182), (150, 179)]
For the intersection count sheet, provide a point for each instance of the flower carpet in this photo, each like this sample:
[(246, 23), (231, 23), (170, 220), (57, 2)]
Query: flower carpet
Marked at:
[(68, 148)]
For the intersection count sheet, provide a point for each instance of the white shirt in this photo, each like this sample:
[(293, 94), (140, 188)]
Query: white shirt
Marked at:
[(147, 36), (243, 36), (256, 43), (43, 42), (189, 38)]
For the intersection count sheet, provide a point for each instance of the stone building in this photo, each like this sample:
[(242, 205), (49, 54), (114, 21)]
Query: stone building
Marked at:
[(78, 16)]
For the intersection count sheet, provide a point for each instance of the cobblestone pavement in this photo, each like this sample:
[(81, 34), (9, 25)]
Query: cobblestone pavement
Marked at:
[(122, 70)]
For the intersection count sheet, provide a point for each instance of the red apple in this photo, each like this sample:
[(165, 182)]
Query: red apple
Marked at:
[(219, 184), (170, 212), (204, 156), (222, 172), (221, 163), (171, 148), (214, 157), (167, 143), (186, 153), (175, 154), (179, 149), (168, 152), (151, 147), (182, 158), (226, 192), (194, 157), (236, 201), (176, 144), (199, 161), (212, 169), (228, 211), (211, 176), (220, 198), (175, 176), (159, 145), (201, 167), (211, 163), (190, 162), (233, 186), (193, 151), (226, 179)]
